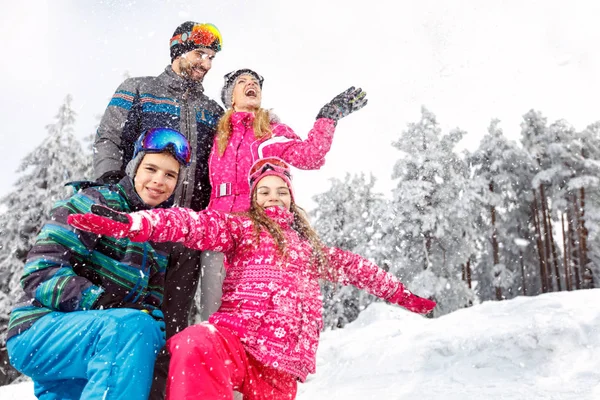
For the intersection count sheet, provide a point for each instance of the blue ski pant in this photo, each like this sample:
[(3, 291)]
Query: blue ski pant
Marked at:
[(96, 354)]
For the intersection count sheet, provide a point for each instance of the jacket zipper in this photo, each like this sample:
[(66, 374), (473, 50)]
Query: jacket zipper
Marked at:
[(188, 135)]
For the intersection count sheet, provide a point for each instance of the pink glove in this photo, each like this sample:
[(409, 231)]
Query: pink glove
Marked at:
[(105, 221), (403, 297)]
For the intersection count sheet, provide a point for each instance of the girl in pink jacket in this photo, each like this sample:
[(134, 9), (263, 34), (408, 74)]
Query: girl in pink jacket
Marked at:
[(264, 337)]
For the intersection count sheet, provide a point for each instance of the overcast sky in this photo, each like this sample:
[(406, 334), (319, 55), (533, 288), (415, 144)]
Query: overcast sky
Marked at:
[(467, 61)]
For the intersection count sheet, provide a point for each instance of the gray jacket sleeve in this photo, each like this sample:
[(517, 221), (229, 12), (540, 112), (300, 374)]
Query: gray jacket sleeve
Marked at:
[(120, 114)]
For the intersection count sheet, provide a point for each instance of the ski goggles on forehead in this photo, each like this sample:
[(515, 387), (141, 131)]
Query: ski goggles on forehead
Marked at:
[(157, 140), (269, 164), (206, 35)]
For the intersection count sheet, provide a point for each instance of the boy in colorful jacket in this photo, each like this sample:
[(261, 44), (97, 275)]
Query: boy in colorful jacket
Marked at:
[(89, 325), (173, 99), (264, 337)]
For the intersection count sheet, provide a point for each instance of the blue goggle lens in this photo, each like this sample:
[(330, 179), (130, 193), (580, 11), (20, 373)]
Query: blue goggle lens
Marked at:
[(165, 139)]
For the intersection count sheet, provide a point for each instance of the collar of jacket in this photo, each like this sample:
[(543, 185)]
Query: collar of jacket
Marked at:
[(179, 83), (280, 215), (239, 117), (135, 201)]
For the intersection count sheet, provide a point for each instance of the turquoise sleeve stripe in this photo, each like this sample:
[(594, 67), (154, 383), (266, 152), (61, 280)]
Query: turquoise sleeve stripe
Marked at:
[(160, 108), (120, 272), (61, 282), (23, 315), (60, 235), (161, 263), (60, 203), (81, 203), (49, 292), (42, 263), (121, 103)]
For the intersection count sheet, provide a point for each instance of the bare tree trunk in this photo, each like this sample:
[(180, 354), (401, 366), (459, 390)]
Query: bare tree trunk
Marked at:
[(523, 278), (547, 252), (583, 235), (574, 242), (426, 249), (495, 247), (466, 273), (539, 244), (566, 254), (554, 253), (469, 280)]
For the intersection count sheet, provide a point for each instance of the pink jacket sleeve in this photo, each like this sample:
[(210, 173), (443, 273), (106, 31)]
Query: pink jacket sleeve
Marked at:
[(355, 270), (204, 230), (302, 154)]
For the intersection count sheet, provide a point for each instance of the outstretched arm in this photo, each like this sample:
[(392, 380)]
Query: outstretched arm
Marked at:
[(353, 269), (302, 154), (204, 230), (310, 153)]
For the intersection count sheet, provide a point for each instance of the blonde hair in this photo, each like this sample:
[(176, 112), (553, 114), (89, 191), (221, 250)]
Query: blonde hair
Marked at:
[(261, 125), (301, 225)]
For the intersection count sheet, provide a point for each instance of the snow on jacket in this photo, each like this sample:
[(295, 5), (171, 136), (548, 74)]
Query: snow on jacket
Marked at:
[(169, 101), (272, 302), (68, 269), (229, 172)]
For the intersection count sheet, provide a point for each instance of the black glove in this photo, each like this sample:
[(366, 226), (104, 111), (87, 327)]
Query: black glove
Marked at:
[(160, 318), (343, 104), (111, 177)]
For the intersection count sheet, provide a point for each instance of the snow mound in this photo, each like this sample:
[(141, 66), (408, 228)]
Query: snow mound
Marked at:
[(534, 348)]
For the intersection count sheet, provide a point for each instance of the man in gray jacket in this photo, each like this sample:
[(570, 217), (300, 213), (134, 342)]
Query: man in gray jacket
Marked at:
[(175, 99)]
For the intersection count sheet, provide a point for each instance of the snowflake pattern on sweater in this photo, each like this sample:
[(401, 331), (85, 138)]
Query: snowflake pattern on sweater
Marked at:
[(271, 301)]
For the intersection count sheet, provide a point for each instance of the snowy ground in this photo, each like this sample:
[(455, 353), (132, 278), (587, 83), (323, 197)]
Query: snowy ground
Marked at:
[(534, 348)]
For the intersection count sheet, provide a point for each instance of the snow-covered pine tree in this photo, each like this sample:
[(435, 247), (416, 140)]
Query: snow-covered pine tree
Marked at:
[(536, 138), (348, 216), (502, 173), (429, 222), (42, 175), (573, 175), (588, 181)]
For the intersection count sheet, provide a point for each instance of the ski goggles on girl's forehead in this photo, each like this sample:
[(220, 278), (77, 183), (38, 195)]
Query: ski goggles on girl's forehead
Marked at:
[(157, 140), (269, 164)]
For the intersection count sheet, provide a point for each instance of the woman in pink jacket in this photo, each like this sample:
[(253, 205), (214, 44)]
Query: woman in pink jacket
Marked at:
[(264, 337), (246, 133)]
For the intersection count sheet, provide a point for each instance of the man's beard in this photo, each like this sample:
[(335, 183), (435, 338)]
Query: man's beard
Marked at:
[(187, 70)]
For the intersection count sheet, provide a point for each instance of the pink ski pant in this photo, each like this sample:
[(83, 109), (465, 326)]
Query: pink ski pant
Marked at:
[(209, 362)]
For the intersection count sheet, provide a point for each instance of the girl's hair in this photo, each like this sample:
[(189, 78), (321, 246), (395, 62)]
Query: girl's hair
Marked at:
[(301, 225), (262, 127)]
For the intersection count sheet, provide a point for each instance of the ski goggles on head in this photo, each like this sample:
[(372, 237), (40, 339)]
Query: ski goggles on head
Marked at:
[(205, 35), (262, 166), (157, 140)]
